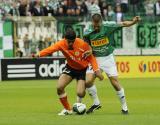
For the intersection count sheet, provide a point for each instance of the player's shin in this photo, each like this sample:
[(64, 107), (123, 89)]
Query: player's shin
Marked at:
[(93, 93), (122, 98), (64, 101)]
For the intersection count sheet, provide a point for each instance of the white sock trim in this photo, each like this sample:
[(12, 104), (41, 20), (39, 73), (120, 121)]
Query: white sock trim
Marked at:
[(121, 92), (93, 93), (122, 98)]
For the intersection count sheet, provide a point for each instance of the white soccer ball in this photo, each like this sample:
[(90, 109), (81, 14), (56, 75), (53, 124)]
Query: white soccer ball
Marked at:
[(79, 108)]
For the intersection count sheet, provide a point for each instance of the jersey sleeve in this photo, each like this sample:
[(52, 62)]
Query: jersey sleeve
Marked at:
[(86, 47), (112, 27), (93, 63), (53, 48), (91, 59)]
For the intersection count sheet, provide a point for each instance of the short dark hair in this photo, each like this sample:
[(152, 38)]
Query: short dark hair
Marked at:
[(96, 17), (70, 34)]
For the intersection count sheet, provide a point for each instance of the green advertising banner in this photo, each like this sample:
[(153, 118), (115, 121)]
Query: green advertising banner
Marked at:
[(147, 35), (117, 38), (78, 27), (6, 40)]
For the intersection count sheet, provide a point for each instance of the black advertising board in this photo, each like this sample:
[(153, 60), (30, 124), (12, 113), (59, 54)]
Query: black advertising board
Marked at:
[(39, 68)]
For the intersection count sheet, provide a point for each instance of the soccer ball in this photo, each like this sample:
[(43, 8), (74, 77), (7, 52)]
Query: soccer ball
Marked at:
[(79, 108)]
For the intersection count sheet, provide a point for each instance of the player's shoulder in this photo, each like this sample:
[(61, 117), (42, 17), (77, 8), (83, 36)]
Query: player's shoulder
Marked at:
[(88, 30), (80, 42), (110, 24), (60, 43)]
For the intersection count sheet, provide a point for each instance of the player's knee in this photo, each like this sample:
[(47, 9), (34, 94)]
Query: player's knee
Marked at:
[(89, 80), (89, 83), (115, 83)]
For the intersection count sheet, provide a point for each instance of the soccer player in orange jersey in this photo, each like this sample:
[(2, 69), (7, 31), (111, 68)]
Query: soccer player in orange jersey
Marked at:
[(73, 49)]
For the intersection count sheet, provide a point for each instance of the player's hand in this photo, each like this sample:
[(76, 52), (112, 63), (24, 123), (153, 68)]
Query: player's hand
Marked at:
[(137, 19), (35, 55), (99, 75), (86, 54)]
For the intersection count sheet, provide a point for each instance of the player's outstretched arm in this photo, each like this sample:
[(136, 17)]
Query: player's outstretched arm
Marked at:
[(51, 49), (135, 20)]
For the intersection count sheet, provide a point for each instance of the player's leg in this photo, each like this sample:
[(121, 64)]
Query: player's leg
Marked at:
[(80, 89), (80, 77), (92, 90), (109, 67), (63, 81), (120, 92)]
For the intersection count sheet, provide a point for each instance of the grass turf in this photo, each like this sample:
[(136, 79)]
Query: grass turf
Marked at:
[(36, 103)]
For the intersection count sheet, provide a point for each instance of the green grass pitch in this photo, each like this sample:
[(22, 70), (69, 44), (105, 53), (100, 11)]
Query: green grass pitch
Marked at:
[(36, 103)]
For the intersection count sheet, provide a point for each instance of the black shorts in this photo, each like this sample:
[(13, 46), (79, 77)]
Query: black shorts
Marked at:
[(75, 74)]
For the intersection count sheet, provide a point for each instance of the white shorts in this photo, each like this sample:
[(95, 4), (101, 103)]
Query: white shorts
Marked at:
[(107, 64)]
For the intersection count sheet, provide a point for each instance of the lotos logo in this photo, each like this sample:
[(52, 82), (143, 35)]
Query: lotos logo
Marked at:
[(150, 66), (142, 67), (123, 67), (100, 42)]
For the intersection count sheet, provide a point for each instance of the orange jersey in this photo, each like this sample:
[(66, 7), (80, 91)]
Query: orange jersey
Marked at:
[(73, 57)]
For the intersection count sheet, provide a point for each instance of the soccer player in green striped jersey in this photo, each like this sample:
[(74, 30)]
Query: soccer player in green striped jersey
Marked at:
[(99, 36)]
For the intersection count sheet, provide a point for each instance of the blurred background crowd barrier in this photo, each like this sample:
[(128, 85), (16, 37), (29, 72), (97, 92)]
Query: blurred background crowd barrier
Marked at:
[(28, 26)]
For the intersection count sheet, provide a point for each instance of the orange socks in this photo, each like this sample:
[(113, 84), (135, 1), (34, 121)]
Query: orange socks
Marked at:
[(64, 101)]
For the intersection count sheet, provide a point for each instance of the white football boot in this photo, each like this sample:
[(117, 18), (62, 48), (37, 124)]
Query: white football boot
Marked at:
[(65, 112)]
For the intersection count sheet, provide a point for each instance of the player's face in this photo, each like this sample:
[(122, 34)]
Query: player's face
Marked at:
[(96, 25)]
